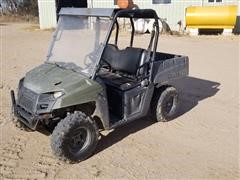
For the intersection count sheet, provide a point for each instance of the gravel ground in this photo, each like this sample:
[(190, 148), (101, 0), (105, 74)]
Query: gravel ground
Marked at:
[(202, 143)]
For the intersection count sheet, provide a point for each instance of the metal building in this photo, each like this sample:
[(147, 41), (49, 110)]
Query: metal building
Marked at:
[(48, 10), (173, 11), (47, 14)]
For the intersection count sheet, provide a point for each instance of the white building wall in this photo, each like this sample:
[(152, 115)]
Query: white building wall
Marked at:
[(173, 12), (47, 14)]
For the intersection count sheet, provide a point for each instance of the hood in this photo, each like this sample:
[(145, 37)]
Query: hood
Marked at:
[(51, 78)]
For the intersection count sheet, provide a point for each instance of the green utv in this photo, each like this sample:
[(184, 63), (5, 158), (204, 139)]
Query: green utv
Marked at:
[(89, 84)]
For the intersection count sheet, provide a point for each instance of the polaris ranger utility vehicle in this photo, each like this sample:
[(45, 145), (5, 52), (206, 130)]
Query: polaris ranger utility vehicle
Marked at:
[(88, 84)]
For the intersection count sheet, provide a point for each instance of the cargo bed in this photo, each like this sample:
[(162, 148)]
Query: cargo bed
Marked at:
[(167, 67)]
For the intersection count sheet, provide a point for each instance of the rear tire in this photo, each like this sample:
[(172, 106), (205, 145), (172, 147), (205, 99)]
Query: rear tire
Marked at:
[(75, 138), (165, 104)]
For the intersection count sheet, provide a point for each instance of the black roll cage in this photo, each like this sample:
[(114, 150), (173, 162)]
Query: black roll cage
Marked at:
[(137, 14)]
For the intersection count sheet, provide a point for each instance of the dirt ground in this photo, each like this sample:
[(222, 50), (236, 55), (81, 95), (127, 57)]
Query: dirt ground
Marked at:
[(202, 143)]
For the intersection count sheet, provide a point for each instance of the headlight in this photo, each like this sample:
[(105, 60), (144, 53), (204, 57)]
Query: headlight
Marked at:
[(47, 100), (58, 94), (50, 96)]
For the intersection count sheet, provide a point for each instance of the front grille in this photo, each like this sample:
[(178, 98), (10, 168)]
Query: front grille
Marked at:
[(27, 99)]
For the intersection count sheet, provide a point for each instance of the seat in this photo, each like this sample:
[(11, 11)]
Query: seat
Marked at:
[(126, 65), (115, 80)]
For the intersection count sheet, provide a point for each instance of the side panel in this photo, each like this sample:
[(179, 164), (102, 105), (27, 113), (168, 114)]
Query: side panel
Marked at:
[(102, 108), (137, 104), (170, 69)]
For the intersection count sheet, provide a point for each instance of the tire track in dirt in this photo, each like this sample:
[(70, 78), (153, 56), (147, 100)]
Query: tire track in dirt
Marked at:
[(36, 162), (1, 119), (47, 163), (5, 118), (5, 105), (10, 155), (43, 165)]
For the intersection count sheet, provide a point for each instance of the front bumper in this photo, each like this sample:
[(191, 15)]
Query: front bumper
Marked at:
[(30, 120)]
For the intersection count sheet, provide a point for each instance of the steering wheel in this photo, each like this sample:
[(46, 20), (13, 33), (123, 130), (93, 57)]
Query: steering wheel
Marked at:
[(106, 64), (91, 58), (88, 57)]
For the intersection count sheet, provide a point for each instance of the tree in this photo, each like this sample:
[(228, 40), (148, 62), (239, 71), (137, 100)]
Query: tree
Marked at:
[(10, 6), (28, 7), (24, 7)]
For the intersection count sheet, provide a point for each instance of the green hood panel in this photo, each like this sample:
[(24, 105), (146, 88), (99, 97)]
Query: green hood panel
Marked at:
[(48, 78)]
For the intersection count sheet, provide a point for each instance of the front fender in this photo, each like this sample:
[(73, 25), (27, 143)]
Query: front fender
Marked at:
[(102, 111), (91, 91), (84, 92)]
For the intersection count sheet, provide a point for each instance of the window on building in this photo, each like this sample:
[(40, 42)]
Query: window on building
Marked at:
[(115, 2), (70, 3), (213, 1), (161, 1)]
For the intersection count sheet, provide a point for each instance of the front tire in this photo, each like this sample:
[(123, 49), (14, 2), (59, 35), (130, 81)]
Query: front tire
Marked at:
[(75, 137), (165, 104)]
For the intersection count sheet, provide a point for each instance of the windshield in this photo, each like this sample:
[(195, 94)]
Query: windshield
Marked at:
[(78, 41)]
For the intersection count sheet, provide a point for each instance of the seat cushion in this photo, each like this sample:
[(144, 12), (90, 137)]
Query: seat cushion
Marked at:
[(126, 60), (117, 81)]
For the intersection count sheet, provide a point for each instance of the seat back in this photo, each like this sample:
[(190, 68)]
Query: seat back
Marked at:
[(127, 60), (143, 61)]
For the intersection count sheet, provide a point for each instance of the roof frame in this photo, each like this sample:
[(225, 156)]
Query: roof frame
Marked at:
[(94, 12)]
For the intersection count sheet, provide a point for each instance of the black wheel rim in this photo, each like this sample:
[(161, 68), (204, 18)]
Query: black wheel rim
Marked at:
[(79, 140), (168, 105)]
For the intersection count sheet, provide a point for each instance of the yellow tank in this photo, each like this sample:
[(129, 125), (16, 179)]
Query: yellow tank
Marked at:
[(211, 17)]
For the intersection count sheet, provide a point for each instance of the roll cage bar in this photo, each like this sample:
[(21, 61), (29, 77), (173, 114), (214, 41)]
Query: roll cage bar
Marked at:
[(136, 14)]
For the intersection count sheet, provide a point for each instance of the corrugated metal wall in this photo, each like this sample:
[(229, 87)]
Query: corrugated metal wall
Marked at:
[(172, 12), (47, 14)]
